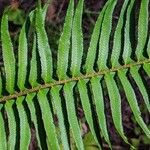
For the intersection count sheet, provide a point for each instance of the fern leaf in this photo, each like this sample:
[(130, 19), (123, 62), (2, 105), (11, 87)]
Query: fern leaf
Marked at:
[(52, 141), (147, 68), (86, 107), (43, 48), (11, 124), (115, 103), (139, 82), (131, 97), (3, 143), (73, 122), (127, 50), (33, 66), (118, 36), (8, 55), (25, 135), (99, 104), (91, 54), (148, 48), (57, 104), (64, 43), (142, 29), (0, 84), (33, 61), (104, 38), (77, 40), (30, 103), (22, 58)]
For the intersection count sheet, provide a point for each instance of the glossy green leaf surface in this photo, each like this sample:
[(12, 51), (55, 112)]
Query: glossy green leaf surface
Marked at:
[(8, 55)]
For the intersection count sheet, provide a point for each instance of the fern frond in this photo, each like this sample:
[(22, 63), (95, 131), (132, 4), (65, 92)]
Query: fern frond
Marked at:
[(131, 97), (148, 48), (77, 41), (116, 50), (0, 84), (30, 96), (22, 59), (147, 68), (135, 74), (64, 43), (51, 137), (11, 124), (99, 104), (115, 103), (25, 134), (91, 54), (43, 48), (86, 106), (58, 106), (103, 47), (33, 66), (142, 29), (8, 55), (30, 103), (72, 118), (127, 50), (3, 141)]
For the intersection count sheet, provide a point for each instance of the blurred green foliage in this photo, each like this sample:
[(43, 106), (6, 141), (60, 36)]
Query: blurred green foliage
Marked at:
[(17, 16)]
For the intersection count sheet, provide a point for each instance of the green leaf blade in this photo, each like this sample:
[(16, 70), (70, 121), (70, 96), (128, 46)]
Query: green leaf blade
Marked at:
[(99, 104), (25, 135), (8, 55), (127, 50), (64, 43), (77, 40), (52, 140), (3, 142), (115, 103), (131, 97), (43, 47), (86, 107), (139, 82), (147, 68), (117, 37), (11, 124), (148, 48), (30, 103), (22, 58), (1, 86), (142, 29), (94, 41), (104, 38), (33, 66), (73, 122), (57, 104)]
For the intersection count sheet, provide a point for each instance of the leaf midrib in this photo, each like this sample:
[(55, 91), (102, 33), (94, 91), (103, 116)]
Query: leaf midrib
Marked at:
[(86, 76)]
